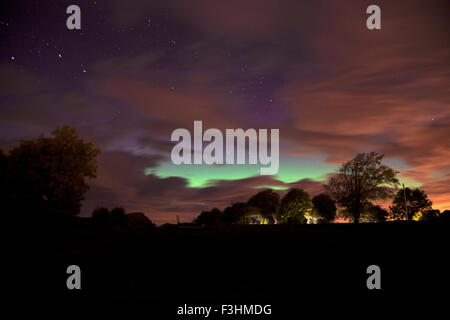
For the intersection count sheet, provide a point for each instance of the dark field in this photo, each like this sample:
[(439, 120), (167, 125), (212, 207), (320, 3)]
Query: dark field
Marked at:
[(293, 268)]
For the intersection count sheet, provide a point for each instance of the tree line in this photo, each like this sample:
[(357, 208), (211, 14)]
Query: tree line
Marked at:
[(47, 177), (117, 218), (356, 187)]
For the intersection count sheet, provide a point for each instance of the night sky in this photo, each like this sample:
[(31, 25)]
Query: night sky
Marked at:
[(137, 70)]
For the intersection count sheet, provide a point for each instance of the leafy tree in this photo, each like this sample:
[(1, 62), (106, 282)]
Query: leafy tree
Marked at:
[(324, 210), (234, 213), (360, 180), (416, 201), (267, 201), (100, 216), (118, 216), (427, 215), (374, 213), (444, 217), (209, 218), (294, 206), (48, 174)]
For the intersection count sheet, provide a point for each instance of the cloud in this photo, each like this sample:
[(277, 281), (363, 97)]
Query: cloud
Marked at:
[(311, 69), (366, 91), (121, 182), (438, 191)]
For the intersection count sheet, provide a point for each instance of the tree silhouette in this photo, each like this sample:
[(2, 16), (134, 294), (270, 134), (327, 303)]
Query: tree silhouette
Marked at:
[(416, 201), (360, 180), (294, 206), (444, 217), (100, 216), (324, 208), (267, 201), (118, 217), (427, 215), (209, 218), (234, 213), (374, 213), (48, 174)]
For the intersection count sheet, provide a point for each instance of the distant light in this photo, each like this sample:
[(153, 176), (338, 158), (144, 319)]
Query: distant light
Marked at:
[(59, 55), (84, 70), (12, 58)]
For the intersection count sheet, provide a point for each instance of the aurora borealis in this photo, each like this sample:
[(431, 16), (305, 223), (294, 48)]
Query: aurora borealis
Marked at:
[(138, 70)]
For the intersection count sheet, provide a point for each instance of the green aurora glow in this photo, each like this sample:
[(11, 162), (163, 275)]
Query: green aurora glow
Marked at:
[(291, 170)]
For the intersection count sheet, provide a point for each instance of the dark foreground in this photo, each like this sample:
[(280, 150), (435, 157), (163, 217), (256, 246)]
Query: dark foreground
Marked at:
[(292, 268)]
